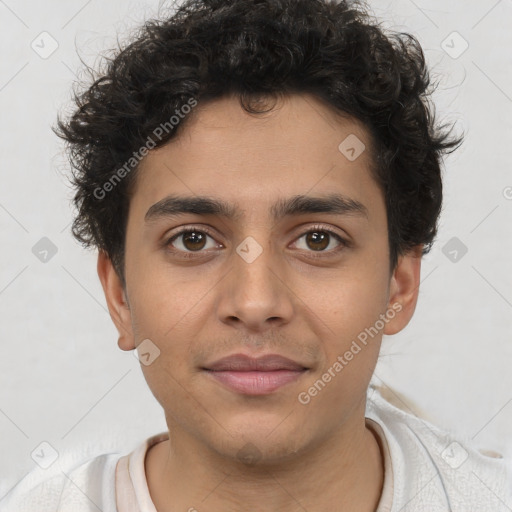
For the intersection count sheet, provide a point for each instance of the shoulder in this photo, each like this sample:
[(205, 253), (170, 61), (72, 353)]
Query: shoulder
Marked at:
[(433, 467), (84, 485)]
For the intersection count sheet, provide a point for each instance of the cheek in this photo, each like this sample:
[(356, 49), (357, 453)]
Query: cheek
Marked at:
[(350, 334), (349, 302), (169, 311), (164, 301), (167, 317)]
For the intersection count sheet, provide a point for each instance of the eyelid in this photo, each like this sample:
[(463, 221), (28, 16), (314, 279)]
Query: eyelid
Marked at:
[(344, 242), (187, 229), (323, 227)]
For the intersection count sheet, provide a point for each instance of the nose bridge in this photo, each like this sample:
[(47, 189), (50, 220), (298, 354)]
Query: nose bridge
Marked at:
[(252, 267), (254, 293)]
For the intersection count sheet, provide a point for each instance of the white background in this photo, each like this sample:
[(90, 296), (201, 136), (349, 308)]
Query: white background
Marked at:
[(63, 378)]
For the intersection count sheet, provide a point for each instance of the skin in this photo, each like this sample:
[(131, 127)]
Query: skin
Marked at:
[(286, 301)]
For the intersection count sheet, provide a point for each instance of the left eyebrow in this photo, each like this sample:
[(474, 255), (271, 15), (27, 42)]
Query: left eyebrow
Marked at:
[(334, 204)]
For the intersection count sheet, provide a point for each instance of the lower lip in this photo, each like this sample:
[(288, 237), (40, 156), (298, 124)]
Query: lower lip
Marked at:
[(255, 383)]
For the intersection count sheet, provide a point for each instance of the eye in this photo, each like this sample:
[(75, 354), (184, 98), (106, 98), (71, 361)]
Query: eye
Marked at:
[(190, 240), (195, 240), (319, 239)]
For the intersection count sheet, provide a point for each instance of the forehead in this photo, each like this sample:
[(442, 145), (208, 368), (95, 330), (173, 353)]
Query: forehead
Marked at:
[(299, 148)]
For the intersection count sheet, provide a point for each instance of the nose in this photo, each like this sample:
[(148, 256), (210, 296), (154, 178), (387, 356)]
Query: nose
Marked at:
[(255, 295)]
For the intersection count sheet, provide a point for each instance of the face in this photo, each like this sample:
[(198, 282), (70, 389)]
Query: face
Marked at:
[(304, 280)]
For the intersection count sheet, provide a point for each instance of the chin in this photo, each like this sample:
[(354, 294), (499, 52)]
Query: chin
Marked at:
[(256, 440)]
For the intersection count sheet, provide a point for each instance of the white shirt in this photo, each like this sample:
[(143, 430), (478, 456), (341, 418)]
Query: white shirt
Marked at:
[(426, 470)]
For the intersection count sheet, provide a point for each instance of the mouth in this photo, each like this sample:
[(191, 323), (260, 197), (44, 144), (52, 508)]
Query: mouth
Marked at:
[(255, 376)]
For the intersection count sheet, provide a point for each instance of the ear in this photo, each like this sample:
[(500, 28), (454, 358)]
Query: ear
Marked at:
[(403, 290), (117, 302)]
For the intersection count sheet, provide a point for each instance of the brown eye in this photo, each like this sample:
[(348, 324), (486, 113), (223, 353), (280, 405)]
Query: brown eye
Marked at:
[(191, 240), (317, 240), (194, 240)]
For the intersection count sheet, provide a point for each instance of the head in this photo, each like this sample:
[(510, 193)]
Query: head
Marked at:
[(317, 127)]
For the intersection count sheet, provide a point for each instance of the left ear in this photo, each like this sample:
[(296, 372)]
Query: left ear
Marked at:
[(404, 289)]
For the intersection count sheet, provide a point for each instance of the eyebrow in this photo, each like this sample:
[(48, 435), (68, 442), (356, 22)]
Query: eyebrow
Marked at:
[(336, 204)]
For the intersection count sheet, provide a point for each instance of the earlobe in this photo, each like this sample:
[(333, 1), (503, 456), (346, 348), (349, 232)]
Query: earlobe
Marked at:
[(404, 289), (117, 301)]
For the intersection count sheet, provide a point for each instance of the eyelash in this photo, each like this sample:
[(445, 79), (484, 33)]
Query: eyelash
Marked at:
[(194, 254)]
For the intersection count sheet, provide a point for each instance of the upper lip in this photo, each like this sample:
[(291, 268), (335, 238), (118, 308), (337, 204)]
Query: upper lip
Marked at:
[(245, 363)]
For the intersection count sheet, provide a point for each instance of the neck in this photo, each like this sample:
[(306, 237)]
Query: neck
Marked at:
[(345, 469)]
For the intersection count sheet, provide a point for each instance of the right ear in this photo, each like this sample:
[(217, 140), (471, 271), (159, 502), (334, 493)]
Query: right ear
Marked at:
[(117, 301)]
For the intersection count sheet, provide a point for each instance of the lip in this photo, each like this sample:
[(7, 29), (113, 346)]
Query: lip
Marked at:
[(245, 363), (255, 376)]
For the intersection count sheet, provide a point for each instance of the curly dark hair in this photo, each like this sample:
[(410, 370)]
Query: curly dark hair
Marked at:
[(207, 49)]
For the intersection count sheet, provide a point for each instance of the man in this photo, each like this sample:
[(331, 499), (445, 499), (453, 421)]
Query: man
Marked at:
[(262, 178)]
